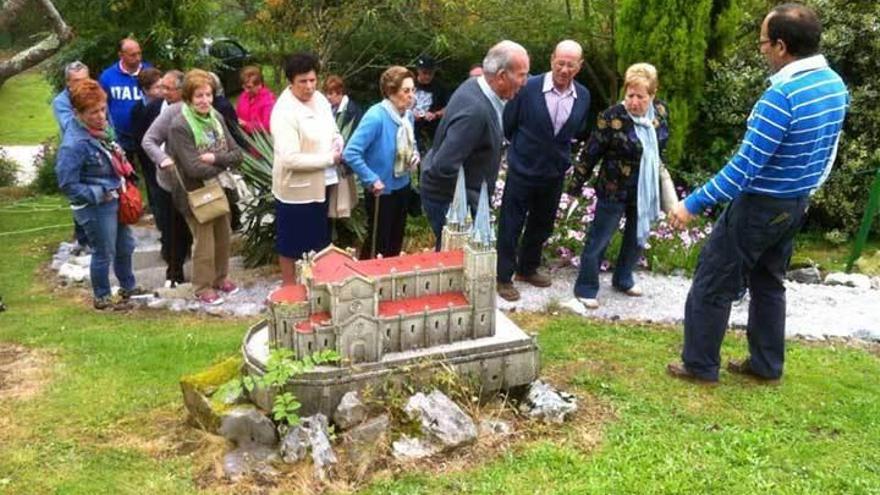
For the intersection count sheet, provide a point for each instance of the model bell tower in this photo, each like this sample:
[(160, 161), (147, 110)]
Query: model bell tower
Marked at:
[(458, 218), (480, 262)]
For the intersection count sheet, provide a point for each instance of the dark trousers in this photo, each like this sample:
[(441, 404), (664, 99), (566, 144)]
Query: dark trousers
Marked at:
[(435, 212), (531, 203), (605, 223), (176, 237), (391, 223), (751, 244)]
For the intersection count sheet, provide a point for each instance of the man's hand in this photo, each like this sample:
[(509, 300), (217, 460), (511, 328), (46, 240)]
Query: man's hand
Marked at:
[(680, 217), (207, 158), (378, 187), (166, 163)]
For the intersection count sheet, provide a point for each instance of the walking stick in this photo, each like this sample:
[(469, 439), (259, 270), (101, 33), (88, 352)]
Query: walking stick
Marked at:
[(375, 226)]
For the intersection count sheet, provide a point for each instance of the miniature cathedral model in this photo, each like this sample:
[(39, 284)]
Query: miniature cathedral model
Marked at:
[(365, 309)]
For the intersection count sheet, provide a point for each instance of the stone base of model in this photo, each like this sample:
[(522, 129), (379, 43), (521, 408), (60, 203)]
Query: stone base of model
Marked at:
[(506, 360)]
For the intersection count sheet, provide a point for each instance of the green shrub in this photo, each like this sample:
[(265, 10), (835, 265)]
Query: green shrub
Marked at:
[(45, 181), (8, 169)]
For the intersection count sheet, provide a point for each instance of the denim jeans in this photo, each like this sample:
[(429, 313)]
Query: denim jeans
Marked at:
[(111, 242), (531, 204), (436, 213), (751, 244), (605, 224)]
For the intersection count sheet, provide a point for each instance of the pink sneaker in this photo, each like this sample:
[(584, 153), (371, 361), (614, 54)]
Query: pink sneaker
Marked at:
[(228, 287), (209, 298)]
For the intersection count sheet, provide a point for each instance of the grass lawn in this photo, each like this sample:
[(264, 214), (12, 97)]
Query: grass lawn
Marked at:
[(27, 110), (109, 418)]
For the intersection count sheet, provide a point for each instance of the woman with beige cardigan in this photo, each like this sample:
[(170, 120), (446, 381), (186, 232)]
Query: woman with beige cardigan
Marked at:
[(202, 148), (307, 147)]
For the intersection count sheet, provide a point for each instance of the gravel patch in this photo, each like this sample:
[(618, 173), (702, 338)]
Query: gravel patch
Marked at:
[(812, 310)]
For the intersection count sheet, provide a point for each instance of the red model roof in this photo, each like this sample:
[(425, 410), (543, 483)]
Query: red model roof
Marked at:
[(289, 294), (333, 266), (314, 320), (419, 304)]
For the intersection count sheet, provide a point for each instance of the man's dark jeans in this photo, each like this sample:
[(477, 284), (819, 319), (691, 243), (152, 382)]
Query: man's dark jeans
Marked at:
[(605, 224), (532, 203), (751, 244), (435, 211)]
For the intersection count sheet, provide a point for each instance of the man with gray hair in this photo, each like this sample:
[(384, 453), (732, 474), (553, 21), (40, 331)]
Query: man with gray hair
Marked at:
[(61, 107), (470, 133), (540, 123)]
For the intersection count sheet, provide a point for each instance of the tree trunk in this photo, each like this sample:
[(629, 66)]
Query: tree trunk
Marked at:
[(35, 54)]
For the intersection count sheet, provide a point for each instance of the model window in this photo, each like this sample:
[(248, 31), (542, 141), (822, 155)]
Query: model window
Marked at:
[(412, 329), (482, 318), (427, 285)]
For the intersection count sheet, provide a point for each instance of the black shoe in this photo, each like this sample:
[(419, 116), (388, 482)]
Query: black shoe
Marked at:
[(744, 367), (106, 304), (680, 371)]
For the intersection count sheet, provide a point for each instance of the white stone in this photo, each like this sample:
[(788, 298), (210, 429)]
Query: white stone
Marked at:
[(409, 448), (856, 280), (350, 411), (74, 273), (495, 427), (548, 404), (441, 418)]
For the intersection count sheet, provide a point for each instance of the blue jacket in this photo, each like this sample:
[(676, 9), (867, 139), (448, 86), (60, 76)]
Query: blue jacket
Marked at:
[(84, 171), (123, 93), (63, 110), (371, 150), (534, 150)]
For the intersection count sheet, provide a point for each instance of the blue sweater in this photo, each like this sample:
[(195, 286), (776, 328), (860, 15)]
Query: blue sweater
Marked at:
[(123, 93), (791, 139), (63, 110), (534, 150), (371, 150)]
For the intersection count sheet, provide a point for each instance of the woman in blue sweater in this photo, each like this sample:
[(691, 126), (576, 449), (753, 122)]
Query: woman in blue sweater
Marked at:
[(382, 152)]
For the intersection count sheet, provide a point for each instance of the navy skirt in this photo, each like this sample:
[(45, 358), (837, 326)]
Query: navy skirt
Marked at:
[(300, 228)]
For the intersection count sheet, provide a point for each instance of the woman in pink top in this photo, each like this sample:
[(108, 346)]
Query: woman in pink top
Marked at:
[(255, 103)]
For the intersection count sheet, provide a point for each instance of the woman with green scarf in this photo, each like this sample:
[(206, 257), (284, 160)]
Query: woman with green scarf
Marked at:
[(202, 149)]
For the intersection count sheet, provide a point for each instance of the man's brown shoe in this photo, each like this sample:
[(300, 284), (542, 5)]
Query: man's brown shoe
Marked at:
[(680, 371), (538, 279), (507, 291), (744, 367)]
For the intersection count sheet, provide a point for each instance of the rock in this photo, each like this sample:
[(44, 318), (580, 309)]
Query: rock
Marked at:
[(231, 393), (493, 427), (294, 445), (856, 280), (548, 404), (56, 263), (368, 432), (441, 418), (875, 283), (198, 387), (808, 275), (248, 426), (408, 448), (85, 260), (322, 453), (74, 273), (251, 459), (350, 411)]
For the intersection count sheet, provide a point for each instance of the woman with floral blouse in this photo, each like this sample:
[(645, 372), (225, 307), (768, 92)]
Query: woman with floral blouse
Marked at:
[(629, 141)]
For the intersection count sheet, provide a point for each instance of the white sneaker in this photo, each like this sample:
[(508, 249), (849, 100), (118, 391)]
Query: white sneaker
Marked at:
[(634, 291), (589, 302)]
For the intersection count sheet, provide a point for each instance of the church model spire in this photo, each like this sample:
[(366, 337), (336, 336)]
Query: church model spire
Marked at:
[(482, 234), (458, 218)]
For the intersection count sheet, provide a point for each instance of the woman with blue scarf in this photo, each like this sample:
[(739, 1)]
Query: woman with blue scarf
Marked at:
[(382, 152), (629, 140)]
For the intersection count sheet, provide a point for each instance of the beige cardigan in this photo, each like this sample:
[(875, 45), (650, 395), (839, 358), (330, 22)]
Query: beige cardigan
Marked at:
[(303, 144)]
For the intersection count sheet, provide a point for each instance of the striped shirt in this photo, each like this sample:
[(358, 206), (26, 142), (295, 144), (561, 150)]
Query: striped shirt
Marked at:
[(791, 140)]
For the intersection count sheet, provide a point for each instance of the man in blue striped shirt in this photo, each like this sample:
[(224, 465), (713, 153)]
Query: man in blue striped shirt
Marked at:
[(786, 154)]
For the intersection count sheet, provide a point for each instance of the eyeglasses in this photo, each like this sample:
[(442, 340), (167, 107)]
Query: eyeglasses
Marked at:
[(764, 42)]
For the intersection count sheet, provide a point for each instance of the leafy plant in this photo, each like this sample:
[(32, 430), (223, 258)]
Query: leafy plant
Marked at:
[(45, 181), (280, 368), (8, 169)]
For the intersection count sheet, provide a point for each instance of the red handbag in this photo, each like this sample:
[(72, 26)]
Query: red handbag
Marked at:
[(131, 205)]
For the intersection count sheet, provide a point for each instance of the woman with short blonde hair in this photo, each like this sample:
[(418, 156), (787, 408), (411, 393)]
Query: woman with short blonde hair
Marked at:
[(629, 141)]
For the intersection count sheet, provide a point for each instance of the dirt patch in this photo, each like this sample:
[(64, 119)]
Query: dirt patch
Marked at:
[(23, 372)]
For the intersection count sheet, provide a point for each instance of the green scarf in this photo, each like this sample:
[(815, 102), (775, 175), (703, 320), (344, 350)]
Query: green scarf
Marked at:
[(206, 128)]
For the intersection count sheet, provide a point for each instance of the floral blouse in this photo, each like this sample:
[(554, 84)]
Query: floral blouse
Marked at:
[(615, 144)]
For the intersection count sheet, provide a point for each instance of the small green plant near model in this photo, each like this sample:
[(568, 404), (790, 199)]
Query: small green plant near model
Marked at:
[(8, 169), (280, 368)]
